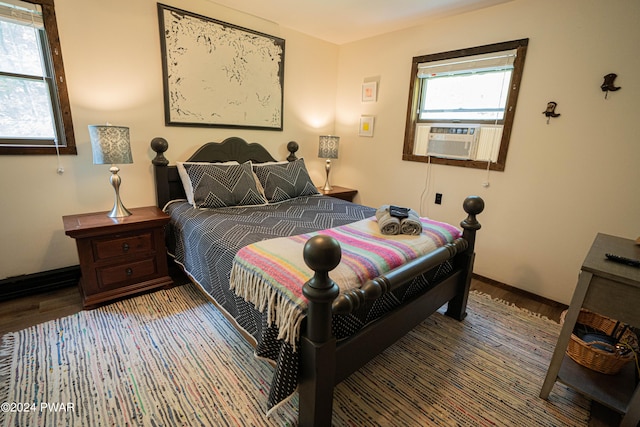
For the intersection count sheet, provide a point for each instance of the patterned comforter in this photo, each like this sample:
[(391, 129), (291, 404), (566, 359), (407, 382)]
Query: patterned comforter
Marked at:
[(271, 273), (205, 243)]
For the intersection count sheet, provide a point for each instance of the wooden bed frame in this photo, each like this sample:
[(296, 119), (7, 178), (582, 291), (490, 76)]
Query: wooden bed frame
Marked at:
[(319, 349)]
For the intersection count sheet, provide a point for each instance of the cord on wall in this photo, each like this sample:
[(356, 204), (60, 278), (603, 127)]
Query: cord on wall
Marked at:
[(425, 190), (486, 182), (60, 169)]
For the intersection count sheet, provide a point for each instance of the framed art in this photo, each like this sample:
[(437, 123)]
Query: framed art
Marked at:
[(369, 92), (366, 126), (219, 74)]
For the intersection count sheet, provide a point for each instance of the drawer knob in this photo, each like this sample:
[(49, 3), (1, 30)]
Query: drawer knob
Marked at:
[(129, 271), (125, 247)]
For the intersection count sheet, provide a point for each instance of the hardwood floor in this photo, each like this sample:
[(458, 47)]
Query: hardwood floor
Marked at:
[(21, 313), (24, 312)]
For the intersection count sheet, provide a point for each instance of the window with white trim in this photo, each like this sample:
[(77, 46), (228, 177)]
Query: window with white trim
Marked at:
[(35, 115), (462, 105)]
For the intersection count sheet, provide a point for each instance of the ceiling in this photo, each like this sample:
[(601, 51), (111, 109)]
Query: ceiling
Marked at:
[(344, 21)]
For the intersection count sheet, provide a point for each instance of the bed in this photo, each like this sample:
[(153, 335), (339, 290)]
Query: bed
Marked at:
[(329, 332)]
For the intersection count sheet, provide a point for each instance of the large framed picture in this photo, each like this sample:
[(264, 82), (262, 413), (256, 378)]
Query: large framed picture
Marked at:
[(219, 74)]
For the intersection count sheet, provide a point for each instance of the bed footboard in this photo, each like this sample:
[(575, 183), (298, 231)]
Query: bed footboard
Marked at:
[(319, 349)]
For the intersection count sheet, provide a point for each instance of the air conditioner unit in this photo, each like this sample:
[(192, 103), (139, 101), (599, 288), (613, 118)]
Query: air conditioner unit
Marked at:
[(452, 141)]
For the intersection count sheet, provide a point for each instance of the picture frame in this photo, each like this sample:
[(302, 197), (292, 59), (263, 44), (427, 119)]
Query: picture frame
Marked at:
[(217, 74), (370, 92), (366, 126)]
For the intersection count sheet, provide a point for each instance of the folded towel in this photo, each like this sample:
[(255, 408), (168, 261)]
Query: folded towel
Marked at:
[(411, 224), (388, 224), (391, 225)]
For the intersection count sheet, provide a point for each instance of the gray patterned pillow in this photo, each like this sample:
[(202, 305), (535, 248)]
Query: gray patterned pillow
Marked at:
[(186, 182), (217, 185), (283, 181)]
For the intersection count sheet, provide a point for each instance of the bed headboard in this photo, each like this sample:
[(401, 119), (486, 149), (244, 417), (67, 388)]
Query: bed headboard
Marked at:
[(167, 180)]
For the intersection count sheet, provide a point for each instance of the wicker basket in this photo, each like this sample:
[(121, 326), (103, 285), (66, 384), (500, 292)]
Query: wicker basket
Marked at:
[(594, 358)]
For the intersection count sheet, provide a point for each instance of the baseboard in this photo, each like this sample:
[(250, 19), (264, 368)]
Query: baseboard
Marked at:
[(522, 292), (36, 283)]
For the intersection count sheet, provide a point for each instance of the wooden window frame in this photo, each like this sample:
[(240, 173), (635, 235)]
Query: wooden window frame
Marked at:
[(415, 88), (64, 113)]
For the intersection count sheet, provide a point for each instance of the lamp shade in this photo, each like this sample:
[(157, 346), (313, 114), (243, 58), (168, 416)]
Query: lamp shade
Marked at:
[(110, 144), (328, 148)]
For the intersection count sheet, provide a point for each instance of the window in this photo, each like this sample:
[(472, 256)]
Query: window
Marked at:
[(35, 116), (462, 105)]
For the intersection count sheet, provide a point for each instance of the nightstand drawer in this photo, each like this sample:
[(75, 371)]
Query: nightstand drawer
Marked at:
[(129, 272), (126, 245)]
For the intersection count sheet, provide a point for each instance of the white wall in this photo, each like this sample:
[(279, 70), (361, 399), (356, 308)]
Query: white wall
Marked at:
[(563, 182), (111, 53)]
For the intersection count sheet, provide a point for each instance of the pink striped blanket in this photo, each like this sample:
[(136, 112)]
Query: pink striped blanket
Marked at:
[(270, 274)]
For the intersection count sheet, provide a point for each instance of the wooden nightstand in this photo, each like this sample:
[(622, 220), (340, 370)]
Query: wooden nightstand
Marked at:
[(119, 256), (340, 193)]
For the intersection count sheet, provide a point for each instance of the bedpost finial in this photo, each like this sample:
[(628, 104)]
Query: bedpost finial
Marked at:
[(292, 147), (159, 145), (322, 253), (473, 205)]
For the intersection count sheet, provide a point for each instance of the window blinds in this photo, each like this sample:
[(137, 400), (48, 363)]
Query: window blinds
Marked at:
[(20, 12), (495, 61)]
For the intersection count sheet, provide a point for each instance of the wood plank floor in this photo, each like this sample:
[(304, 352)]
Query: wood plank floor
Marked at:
[(21, 313)]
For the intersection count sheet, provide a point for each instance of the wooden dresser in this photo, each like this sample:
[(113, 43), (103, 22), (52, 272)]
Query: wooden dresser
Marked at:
[(119, 256)]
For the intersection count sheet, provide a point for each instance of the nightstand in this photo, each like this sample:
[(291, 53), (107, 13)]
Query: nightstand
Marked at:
[(119, 256), (340, 193)]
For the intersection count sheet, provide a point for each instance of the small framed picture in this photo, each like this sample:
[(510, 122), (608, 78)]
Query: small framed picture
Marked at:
[(366, 126), (369, 92)]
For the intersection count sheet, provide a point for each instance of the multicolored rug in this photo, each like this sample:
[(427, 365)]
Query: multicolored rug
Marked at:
[(171, 359)]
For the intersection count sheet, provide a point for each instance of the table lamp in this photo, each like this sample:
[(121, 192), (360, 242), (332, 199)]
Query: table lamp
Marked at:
[(110, 145), (328, 149)]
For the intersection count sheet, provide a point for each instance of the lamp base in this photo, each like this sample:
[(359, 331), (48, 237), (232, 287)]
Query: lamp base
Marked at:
[(118, 210), (327, 168)]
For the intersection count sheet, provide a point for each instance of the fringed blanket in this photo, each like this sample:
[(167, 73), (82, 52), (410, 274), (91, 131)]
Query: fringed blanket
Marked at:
[(270, 274)]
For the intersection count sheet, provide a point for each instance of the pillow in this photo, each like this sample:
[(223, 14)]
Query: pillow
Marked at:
[(184, 177), (216, 185), (283, 181)]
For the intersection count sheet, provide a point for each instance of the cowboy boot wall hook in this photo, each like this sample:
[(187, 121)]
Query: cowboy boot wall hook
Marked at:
[(607, 85), (551, 110)]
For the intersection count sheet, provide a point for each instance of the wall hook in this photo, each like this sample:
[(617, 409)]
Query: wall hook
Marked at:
[(607, 85), (550, 111)]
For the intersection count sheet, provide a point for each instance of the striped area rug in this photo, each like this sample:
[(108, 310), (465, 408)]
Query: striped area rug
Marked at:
[(171, 359)]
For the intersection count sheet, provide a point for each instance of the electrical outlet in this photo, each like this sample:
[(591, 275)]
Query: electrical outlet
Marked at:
[(438, 198)]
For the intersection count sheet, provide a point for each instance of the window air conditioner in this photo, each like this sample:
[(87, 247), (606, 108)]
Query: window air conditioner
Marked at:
[(453, 141)]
